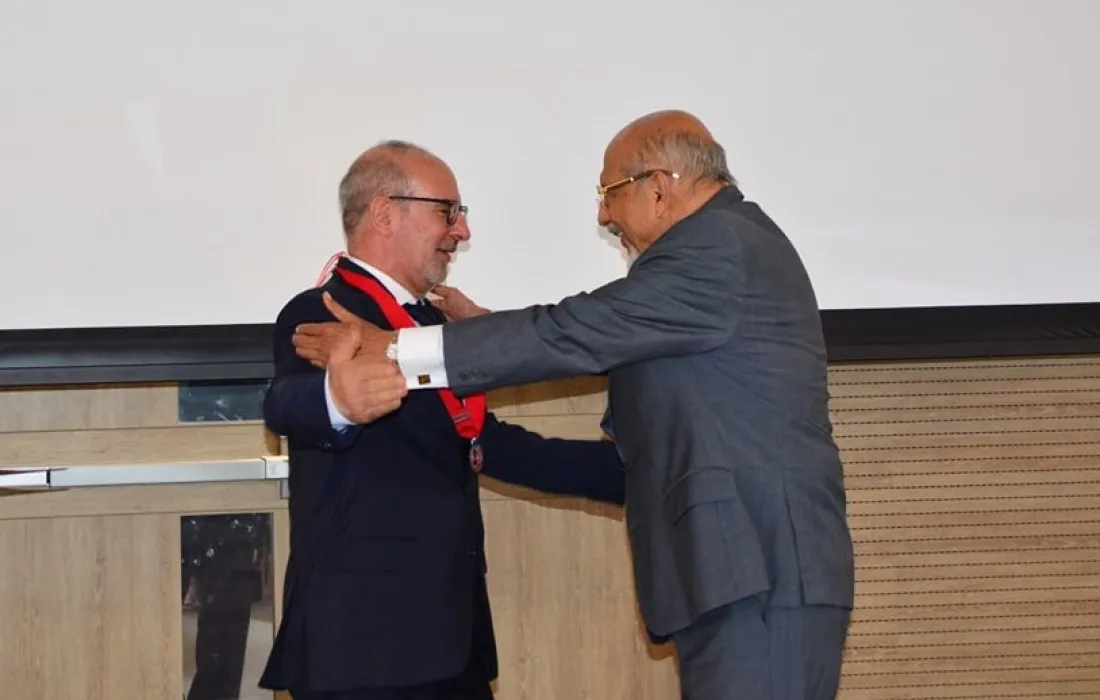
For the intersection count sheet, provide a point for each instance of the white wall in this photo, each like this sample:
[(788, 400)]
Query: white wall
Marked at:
[(164, 165)]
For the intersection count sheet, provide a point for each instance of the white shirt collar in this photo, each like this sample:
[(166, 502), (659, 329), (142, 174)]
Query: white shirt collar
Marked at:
[(402, 295)]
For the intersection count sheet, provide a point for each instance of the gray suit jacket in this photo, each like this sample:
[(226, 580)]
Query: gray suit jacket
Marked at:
[(718, 403)]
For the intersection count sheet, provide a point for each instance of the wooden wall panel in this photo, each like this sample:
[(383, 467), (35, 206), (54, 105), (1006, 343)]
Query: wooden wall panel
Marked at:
[(563, 605), (974, 498), (90, 589), (88, 408), (88, 610)]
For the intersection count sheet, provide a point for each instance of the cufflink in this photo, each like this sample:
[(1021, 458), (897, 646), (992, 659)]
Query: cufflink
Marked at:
[(423, 379)]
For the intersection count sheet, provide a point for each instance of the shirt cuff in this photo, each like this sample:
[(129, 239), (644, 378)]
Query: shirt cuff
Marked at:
[(339, 422), (420, 357)]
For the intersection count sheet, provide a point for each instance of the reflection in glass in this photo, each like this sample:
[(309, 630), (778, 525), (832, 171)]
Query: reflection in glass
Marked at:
[(201, 402), (228, 608)]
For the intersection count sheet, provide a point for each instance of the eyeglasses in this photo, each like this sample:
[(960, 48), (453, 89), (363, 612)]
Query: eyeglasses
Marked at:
[(454, 209), (603, 190)]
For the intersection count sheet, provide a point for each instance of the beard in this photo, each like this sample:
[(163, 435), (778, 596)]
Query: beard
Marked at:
[(631, 254), (436, 272)]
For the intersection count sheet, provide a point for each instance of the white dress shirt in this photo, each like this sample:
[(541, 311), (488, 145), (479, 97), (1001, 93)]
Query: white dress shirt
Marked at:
[(416, 356), (420, 355)]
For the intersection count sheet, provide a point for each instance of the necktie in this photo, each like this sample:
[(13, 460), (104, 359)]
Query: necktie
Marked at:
[(425, 314)]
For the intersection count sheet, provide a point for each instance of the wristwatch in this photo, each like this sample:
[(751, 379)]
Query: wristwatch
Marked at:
[(391, 350)]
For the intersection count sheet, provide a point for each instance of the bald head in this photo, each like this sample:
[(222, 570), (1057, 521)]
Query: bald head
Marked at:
[(666, 120), (659, 169), (380, 171), (672, 139), (402, 213)]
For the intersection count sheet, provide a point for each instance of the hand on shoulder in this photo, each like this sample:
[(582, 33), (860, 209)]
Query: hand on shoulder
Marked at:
[(455, 304)]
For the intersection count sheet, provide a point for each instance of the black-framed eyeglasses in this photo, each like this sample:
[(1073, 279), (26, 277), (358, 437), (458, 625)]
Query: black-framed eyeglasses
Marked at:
[(604, 190), (454, 208)]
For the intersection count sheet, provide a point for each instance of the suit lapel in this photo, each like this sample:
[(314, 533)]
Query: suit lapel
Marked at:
[(363, 306)]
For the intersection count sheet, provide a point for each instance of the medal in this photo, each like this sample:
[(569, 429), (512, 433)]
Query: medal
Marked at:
[(477, 456)]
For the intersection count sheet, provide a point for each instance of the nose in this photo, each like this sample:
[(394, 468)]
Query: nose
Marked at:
[(602, 216), (461, 229)]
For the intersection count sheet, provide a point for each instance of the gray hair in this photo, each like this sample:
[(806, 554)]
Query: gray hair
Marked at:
[(695, 157), (376, 173)]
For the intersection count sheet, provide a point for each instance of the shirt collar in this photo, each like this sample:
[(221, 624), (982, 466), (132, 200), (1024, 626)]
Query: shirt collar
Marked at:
[(402, 295)]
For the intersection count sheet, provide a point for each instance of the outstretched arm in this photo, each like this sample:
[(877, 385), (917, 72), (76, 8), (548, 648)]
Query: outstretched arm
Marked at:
[(587, 468), (679, 298)]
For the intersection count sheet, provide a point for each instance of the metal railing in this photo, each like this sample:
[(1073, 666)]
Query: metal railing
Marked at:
[(268, 468)]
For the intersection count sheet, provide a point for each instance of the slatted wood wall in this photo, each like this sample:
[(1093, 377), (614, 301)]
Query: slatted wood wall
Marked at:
[(974, 492), (974, 498)]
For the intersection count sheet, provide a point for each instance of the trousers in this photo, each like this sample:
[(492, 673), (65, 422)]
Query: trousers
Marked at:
[(749, 650)]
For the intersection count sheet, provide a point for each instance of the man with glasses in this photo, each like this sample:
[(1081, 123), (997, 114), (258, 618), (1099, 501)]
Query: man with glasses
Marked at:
[(386, 596), (718, 403)]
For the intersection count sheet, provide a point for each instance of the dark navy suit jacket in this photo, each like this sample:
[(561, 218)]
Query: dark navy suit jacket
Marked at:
[(385, 585)]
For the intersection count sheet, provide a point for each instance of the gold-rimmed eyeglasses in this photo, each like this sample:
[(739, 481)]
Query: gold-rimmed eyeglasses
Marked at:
[(603, 190)]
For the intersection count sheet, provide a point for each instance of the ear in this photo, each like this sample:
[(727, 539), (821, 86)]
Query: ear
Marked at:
[(380, 213), (662, 192)]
